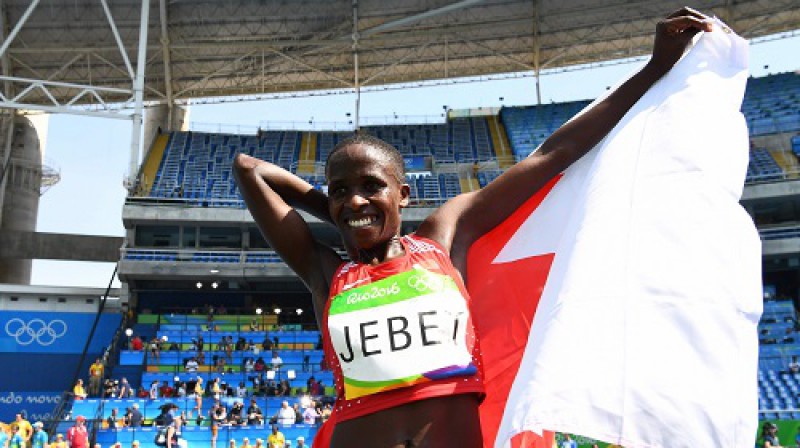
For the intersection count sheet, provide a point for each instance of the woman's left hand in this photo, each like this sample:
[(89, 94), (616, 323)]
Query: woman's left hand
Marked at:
[(674, 34)]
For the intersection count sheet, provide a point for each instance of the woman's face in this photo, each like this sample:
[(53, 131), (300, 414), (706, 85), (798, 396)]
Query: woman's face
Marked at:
[(364, 196)]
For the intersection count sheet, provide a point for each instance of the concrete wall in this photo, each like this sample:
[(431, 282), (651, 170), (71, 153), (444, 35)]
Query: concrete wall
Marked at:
[(21, 197), (58, 246)]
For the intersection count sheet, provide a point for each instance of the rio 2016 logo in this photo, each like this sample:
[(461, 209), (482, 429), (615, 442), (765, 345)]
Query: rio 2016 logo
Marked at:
[(35, 330)]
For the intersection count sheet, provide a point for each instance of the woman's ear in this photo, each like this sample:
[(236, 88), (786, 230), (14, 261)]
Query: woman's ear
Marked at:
[(405, 193)]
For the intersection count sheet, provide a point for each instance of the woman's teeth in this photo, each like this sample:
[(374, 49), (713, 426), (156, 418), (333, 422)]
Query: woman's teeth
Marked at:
[(361, 222)]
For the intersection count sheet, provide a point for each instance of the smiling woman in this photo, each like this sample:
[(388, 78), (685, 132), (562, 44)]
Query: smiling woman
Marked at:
[(396, 319)]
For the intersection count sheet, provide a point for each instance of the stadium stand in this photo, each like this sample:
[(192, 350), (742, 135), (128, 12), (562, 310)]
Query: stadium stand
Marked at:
[(177, 335), (778, 385), (772, 104), (195, 167)]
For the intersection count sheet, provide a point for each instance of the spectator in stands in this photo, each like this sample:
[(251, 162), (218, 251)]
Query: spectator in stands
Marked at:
[(220, 365), (112, 421), (267, 344), (125, 390), (136, 343), (568, 442), (236, 415), (301, 442), (191, 365), (215, 389), (166, 391), (154, 390), (174, 431), (285, 415), (310, 414), (77, 436), (298, 415), (17, 439), (284, 390), (769, 436), (276, 438), (201, 357), (241, 344), (174, 347), (249, 365), (58, 443), (210, 316), (794, 366), (180, 389), (78, 391), (155, 350), (254, 324), (259, 365), (136, 418), (126, 417), (218, 414), (276, 361), (22, 427), (259, 443), (326, 413), (110, 388), (39, 439), (229, 348), (254, 414), (200, 343), (95, 377), (246, 443), (4, 435), (241, 391), (198, 396)]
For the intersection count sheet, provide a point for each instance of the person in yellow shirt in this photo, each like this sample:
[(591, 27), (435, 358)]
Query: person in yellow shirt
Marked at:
[(95, 377), (23, 428), (276, 439), (59, 442), (78, 391)]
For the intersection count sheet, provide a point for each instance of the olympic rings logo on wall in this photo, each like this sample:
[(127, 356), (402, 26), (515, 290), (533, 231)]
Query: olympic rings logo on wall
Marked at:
[(35, 330)]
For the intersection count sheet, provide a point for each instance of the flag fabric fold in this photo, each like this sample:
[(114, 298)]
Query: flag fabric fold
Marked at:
[(621, 302)]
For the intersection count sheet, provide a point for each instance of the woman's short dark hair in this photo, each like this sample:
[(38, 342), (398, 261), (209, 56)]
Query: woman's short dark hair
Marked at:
[(389, 151)]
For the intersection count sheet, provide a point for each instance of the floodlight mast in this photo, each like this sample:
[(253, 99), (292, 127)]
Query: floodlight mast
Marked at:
[(357, 85), (138, 95)]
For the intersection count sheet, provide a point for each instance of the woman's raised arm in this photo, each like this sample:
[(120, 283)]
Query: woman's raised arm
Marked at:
[(273, 196), (464, 219)]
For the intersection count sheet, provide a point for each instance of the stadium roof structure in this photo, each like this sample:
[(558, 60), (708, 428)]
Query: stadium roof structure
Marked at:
[(62, 55)]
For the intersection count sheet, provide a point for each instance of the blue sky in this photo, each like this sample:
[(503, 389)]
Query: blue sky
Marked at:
[(93, 153)]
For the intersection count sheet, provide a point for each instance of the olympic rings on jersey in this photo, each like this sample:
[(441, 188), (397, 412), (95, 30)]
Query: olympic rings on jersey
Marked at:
[(426, 281), (35, 330)]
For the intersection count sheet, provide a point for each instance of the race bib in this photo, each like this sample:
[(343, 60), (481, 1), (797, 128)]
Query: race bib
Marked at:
[(403, 330)]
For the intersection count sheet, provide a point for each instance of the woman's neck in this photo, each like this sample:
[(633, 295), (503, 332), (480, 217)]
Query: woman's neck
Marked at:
[(392, 248)]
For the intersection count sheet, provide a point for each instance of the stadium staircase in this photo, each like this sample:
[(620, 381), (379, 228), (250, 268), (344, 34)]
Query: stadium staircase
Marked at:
[(787, 161), (153, 161), (500, 143), (308, 154)]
